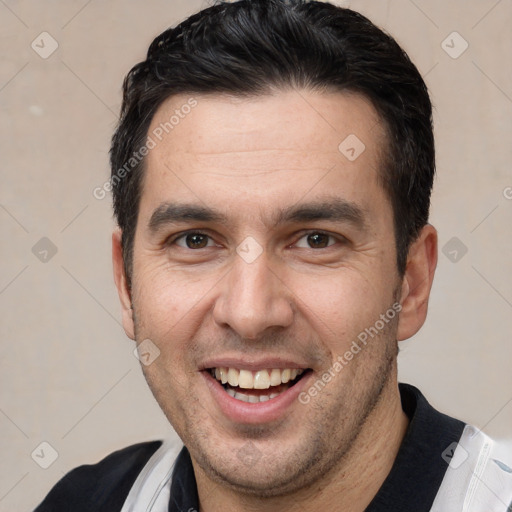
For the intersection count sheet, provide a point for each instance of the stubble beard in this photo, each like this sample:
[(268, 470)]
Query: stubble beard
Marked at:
[(325, 448), (323, 451)]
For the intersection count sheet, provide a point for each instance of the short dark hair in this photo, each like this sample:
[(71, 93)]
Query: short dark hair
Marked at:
[(251, 47)]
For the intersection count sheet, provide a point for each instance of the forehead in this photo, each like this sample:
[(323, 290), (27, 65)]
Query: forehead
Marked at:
[(279, 146)]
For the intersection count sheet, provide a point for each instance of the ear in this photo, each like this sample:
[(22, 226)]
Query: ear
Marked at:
[(122, 285), (417, 282)]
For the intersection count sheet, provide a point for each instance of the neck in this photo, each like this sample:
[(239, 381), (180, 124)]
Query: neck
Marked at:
[(350, 486)]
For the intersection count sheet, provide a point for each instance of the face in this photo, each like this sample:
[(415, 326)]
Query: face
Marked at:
[(262, 257)]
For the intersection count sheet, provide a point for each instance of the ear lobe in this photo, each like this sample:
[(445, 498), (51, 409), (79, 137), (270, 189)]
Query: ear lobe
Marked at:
[(121, 281), (417, 282)]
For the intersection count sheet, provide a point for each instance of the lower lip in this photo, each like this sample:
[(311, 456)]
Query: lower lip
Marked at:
[(254, 413)]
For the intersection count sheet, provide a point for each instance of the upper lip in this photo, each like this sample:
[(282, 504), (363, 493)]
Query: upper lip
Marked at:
[(252, 364)]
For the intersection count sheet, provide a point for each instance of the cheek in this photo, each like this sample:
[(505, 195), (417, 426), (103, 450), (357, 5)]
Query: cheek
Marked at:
[(171, 309), (169, 312), (165, 296), (340, 307)]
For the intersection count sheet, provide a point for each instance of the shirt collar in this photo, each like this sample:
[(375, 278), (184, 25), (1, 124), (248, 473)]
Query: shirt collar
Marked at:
[(419, 467), (415, 476)]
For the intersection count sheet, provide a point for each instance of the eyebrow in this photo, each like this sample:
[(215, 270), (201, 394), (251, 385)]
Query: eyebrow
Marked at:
[(333, 209), (171, 213)]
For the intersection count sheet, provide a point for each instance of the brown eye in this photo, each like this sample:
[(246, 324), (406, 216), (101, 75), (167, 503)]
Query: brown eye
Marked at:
[(194, 241), (318, 240)]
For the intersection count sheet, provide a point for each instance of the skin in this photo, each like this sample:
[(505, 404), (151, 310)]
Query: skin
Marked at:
[(250, 159)]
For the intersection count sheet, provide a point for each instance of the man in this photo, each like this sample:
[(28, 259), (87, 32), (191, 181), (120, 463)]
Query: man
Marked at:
[(271, 175)]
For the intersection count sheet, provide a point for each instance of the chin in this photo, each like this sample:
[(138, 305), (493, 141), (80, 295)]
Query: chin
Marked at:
[(256, 470)]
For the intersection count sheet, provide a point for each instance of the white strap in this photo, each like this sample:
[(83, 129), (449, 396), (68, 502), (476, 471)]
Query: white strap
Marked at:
[(478, 478), (151, 491)]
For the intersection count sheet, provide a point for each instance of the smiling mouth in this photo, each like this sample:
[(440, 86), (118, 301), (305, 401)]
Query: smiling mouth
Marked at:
[(257, 386)]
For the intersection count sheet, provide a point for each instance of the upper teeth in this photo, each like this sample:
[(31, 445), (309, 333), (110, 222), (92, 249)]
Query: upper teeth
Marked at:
[(261, 379)]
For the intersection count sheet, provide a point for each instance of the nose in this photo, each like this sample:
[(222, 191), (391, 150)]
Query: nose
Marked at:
[(252, 299)]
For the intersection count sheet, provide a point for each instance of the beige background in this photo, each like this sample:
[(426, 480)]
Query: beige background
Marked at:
[(68, 375)]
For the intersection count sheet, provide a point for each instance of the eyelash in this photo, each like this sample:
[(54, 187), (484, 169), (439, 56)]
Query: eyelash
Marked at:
[(174, 239), (338, 238)]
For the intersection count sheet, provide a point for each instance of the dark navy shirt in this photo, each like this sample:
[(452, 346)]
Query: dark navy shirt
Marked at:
[(411, 485)]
